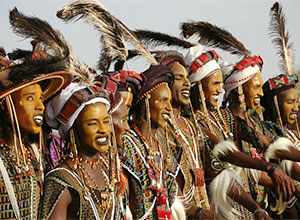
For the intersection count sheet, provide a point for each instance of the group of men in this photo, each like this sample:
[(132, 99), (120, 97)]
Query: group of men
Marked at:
[(80, 144)]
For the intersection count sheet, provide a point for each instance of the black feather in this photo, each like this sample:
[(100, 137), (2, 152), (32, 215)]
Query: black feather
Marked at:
[(212, 36), (281, 38), (19, 54), (154, 39), (2, 52)]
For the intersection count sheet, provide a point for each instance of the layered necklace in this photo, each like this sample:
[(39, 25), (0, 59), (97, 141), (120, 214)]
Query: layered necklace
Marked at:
[(155, 166), (105, 203)]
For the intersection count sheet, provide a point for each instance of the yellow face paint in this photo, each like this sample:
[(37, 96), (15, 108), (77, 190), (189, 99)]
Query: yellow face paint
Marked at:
[(21, 103)]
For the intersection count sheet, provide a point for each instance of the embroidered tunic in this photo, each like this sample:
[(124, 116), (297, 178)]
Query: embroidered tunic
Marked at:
[(25, 183), (194, 195), (222, 129), (135, 162), (58, 180)]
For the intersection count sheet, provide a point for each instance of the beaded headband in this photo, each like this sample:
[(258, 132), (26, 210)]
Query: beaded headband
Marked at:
[(281, 81), (202, 60), (151, 90)]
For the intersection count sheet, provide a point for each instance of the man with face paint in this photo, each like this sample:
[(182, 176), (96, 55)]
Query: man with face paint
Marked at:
[(151, 167), (23, 89), (206, 79), (181, 132), (82, 186), (243, 87)]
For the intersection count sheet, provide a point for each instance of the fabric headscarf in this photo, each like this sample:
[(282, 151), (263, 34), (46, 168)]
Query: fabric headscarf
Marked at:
[(127, 79), (63, 109), (241, 73), (201, 63), (153, 76), (276, 85)]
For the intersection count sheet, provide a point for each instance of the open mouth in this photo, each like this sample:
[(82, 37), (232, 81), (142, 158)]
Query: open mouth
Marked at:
[(185, 93), (215, 97), (256, 101), (166, 116), (38, 119), (293, 116), (101, 140)]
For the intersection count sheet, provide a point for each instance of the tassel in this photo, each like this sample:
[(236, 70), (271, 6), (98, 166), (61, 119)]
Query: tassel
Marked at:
[(281, 143)]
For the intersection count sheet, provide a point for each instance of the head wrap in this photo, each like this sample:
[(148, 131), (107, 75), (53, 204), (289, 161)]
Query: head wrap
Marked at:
[(128, 79), (154, 76), (168, 57), (62, 110), (241, 72), (201, 64), (111, 86), (276, 85)]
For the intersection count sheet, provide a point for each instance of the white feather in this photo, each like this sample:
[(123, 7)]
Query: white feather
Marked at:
[(281, 143), (224, 147), (222, 203)]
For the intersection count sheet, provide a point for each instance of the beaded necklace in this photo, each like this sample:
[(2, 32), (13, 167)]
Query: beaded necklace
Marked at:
[(192, 148), (104, 204), (152, 155), (13, 158)]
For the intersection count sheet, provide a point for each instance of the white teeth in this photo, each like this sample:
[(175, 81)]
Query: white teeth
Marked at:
[(102, 139), (215, 97), (38, 119), (185, 93), (256, 101), (293, 116)]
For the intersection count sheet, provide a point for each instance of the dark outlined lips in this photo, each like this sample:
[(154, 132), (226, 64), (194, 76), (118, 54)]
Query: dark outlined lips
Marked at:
[(101, 140), (38, 119)]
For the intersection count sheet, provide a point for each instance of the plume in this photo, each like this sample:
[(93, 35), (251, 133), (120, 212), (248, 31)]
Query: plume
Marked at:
[(281, 38), (95, 13), (154, 39), (2, 52), (53, 41), (212, 36), (19, 54)]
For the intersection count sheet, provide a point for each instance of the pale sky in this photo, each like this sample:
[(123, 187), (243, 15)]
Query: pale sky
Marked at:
[(247, 20)]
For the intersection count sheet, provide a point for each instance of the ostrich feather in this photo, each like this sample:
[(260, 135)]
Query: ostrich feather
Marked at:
[(95, 13), (281, 38), (154, 39), (53, 41), (2, 52), (211, 35)]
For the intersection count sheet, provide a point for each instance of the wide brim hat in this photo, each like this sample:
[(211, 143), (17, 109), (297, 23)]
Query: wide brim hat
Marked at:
[(50, 75)]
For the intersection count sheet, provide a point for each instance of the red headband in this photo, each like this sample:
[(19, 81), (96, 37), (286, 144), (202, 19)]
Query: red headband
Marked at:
[(203, 59)]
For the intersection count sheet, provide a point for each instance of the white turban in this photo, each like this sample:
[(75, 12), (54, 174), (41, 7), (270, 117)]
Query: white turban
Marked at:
[(56, 104), (203, 71), (237, 77)]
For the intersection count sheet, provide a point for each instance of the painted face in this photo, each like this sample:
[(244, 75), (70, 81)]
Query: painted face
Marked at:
[(288, 105), (128, 98), (120, 121), (253, 91), (212, 88), (181, 87), (29, 108), (93, 129), (160, 104)]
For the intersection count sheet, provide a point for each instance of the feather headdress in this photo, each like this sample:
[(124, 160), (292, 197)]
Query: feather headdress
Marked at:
[(281, 38), (53, 42), (2, 52), (212, 36), (114, 33), (154, 39)]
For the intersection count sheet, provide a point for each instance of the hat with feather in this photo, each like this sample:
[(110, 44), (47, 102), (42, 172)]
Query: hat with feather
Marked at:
[(273, 86), (47, 70), (213, 36)]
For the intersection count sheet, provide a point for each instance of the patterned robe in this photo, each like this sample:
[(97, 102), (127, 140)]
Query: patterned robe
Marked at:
[(135, 162)]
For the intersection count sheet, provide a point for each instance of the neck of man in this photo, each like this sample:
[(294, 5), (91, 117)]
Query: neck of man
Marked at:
[(143, 127)]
